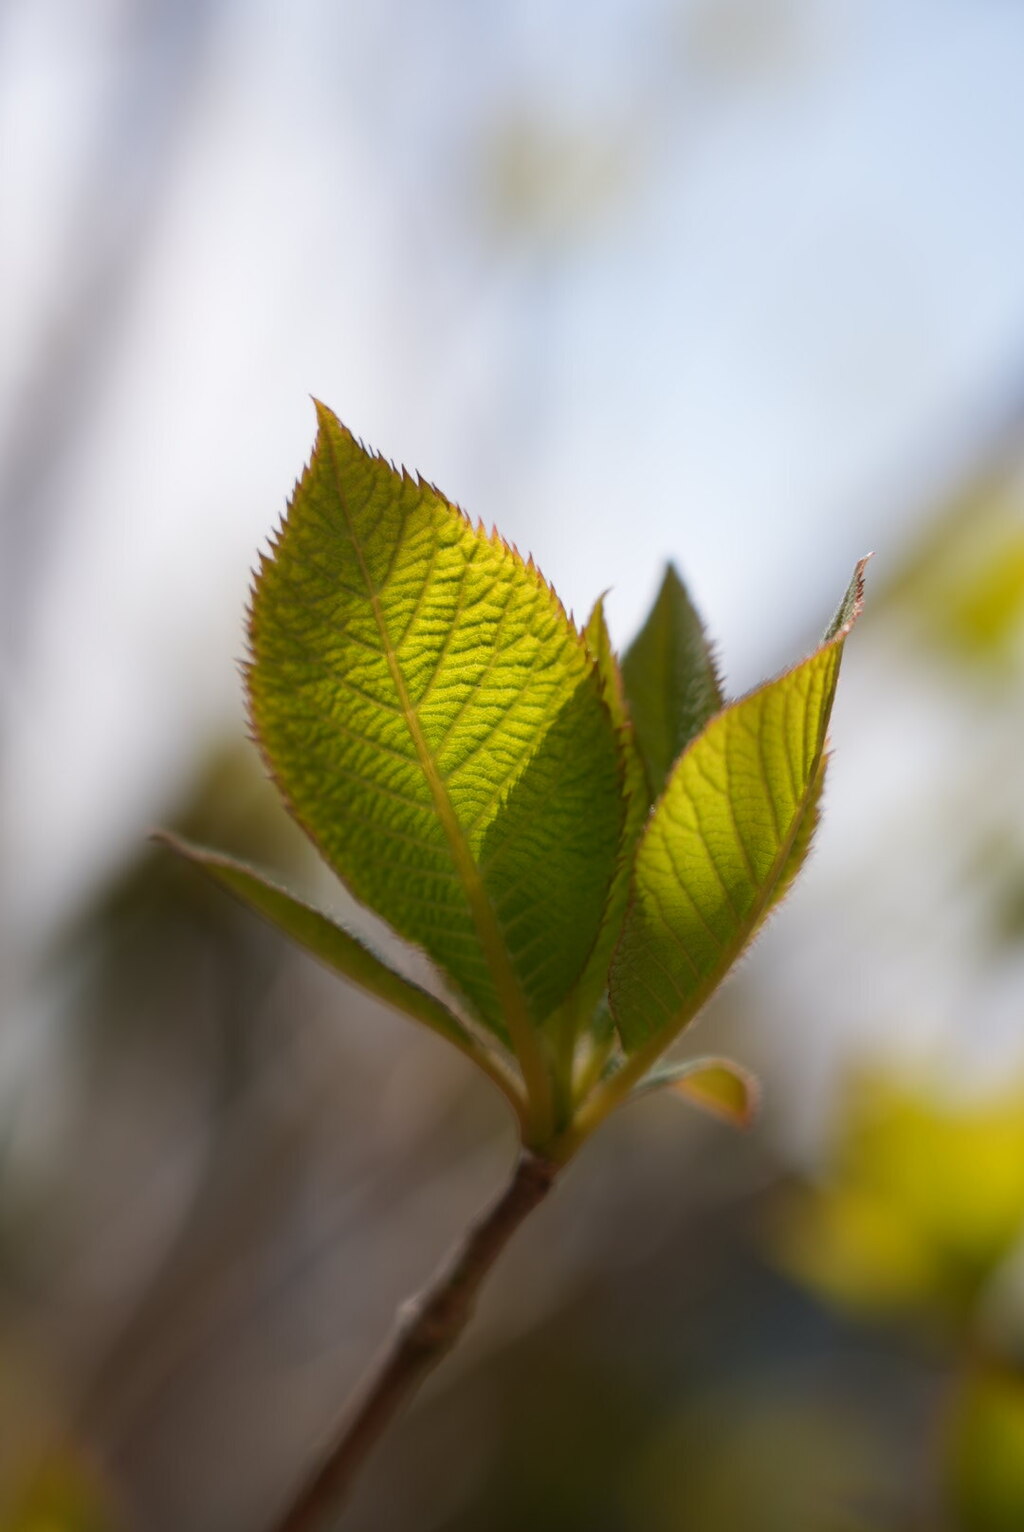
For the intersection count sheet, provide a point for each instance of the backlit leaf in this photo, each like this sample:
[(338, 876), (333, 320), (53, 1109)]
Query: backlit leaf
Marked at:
[(718, 1086), (723, 843), (671, 681), (436, 724)]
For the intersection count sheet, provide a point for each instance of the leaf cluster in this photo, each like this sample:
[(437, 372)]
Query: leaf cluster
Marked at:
[(583, 847)]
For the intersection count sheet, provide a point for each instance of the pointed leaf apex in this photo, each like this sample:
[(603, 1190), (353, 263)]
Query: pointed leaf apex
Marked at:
[(353, 647), (671, 680), (714, 861), (852, 604), (324, 414)]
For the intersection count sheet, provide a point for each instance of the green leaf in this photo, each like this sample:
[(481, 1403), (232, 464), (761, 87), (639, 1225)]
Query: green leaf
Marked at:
[(724, 843), (331, 943), (718, 1086), (671, 681), (436, 724), (594, 980)]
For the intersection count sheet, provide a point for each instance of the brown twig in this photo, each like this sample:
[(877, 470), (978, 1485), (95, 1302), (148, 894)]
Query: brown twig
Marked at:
[(428, 1328)]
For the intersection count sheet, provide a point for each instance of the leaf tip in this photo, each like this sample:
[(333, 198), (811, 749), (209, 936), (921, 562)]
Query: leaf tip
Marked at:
[(722, 1089), (325, 416), (851, 605)]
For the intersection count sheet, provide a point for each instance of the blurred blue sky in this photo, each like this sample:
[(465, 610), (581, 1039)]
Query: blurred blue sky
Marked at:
[(728, 281)]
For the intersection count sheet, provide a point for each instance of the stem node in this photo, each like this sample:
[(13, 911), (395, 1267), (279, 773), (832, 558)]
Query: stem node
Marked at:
[(428, 1327)]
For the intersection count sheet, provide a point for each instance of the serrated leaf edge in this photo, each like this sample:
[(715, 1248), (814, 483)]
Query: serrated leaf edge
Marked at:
[(525, 1041), (611, 1092)]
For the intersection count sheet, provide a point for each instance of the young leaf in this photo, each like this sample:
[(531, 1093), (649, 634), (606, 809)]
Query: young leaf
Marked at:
[(595, 976), (435, 722), (723, 844), (718, 1086), (329, 942), (671, 681)]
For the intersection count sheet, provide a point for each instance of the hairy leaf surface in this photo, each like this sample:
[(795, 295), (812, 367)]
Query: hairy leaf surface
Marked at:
[(724, 842), (671, 681), (436, 724)]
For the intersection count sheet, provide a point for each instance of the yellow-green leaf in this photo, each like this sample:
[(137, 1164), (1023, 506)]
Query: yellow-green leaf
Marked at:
[(321, 936), (436, 724), (723, 843), (720, 1087), (671, 680)]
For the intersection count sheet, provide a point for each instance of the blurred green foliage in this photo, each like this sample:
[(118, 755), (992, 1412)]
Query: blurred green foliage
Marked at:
[(922, 1200), (918, 1216), (985, 1471), (803, 1462), (962, 585), (65, 1494)]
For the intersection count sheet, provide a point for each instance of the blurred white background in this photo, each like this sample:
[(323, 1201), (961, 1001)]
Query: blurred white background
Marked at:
[(738, 283), (719, 280)]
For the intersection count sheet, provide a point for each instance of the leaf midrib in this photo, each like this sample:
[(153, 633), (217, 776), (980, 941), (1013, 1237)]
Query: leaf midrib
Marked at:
[(647, 1055), (509, 990)]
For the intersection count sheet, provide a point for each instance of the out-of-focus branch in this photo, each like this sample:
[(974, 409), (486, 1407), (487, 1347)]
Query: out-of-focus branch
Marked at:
[(428, 1328)]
